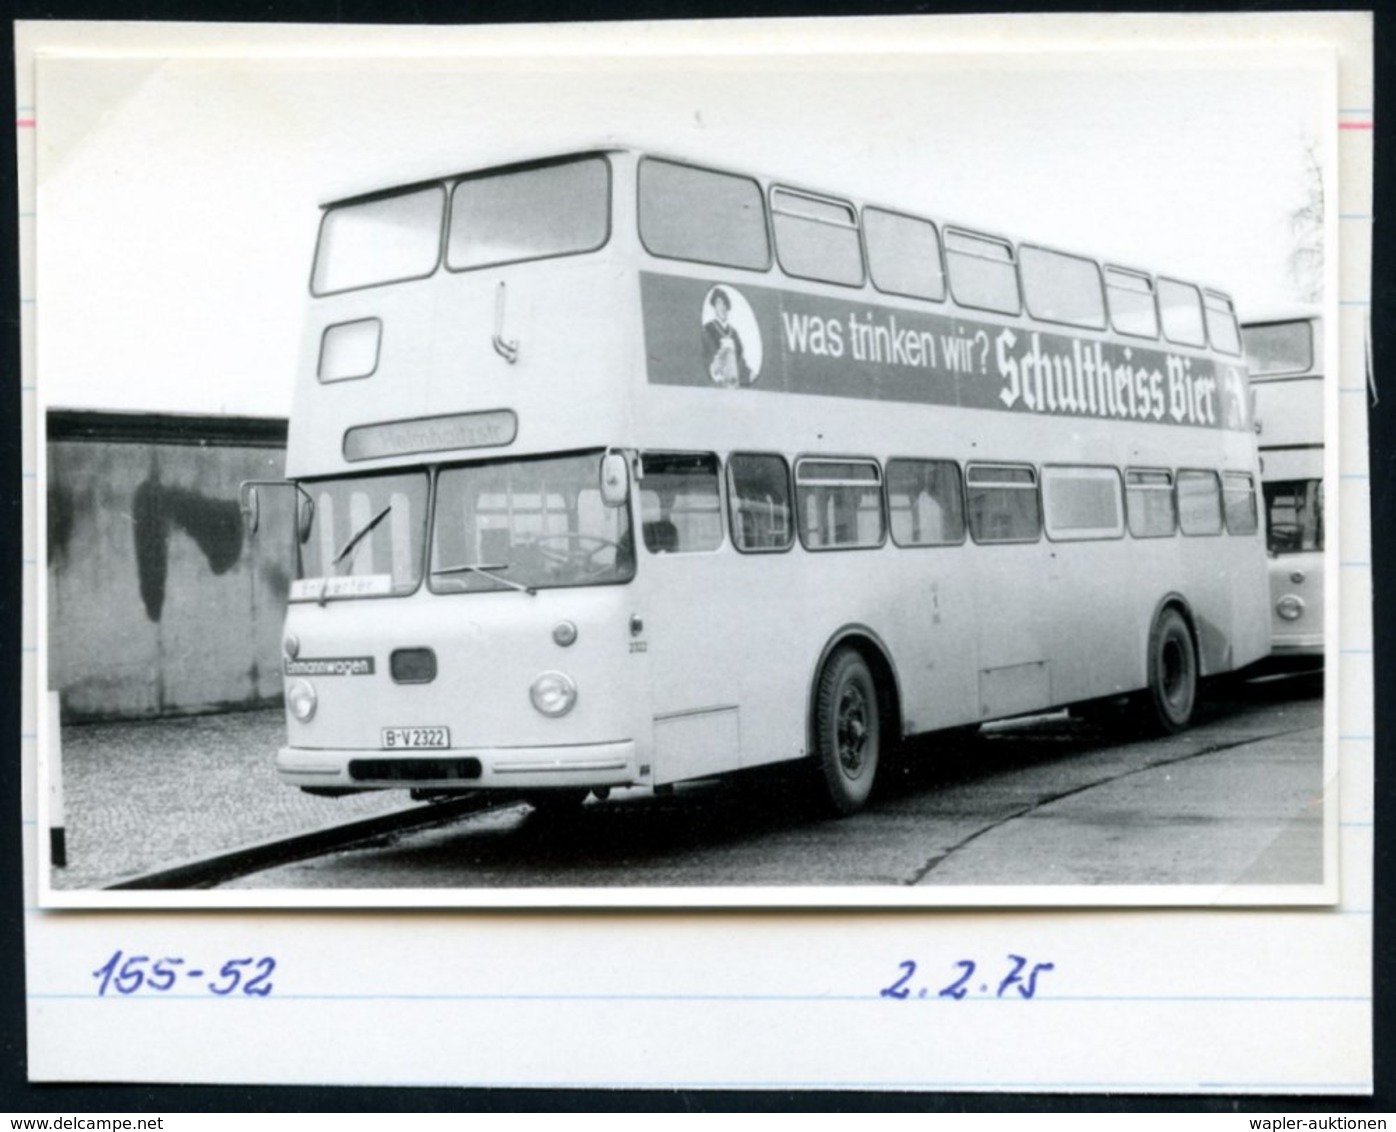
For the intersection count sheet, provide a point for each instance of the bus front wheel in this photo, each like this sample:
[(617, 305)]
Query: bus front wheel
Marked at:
[(847, 731), (1172, 691)]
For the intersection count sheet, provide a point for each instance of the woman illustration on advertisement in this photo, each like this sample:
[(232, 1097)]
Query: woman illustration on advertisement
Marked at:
[(727, 364)]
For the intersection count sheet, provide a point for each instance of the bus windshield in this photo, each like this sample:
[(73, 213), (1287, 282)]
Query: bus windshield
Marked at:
[(528, 524), (1294, 509), (1278, 348), (370, 527)]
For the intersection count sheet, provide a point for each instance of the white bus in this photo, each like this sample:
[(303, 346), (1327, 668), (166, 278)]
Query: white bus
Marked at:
[(1284, 353), (617, 470)]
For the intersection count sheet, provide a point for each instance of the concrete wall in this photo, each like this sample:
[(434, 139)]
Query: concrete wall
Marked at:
[(159, 604)]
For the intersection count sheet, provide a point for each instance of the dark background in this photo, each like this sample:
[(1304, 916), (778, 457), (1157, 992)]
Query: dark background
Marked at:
[(17, 1095)]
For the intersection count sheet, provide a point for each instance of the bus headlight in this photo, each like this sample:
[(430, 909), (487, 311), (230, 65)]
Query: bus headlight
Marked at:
[(300, 698), (554, 693), (1290, 607)]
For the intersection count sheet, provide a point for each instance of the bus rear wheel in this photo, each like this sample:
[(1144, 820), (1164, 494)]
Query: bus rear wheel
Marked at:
[(847, 731), (1172, 691)]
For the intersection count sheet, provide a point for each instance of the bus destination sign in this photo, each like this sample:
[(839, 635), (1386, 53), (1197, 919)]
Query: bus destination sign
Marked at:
[(431, 434), (701, 334)]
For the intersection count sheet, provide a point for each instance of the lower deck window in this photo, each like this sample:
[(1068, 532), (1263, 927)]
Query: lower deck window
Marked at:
[(1003, 503), (679, 503), (925, 502), (1238, 497), (1082, 503), (1149, 502), (759, 499), (840, 504), (1199, 503)]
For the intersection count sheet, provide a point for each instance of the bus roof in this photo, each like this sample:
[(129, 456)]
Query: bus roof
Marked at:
[(1280, 312)]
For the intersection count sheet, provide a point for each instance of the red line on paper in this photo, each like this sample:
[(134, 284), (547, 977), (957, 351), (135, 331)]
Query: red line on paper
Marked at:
[(1354, 125), (22, 123)]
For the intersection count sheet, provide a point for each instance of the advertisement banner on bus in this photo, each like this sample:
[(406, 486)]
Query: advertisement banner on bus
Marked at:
[(698, 333)]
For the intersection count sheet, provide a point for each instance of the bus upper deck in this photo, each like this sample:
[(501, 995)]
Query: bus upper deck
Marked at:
[(502, 309)]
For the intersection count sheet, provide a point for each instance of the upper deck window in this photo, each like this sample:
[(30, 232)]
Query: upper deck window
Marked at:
[(1278, 348), (1062, 288), (1180, 308), (981, 272), (546, 210), (702, 216), (1221, 323), (385, 240), (904, 254), (1132, 309), (817, 238)]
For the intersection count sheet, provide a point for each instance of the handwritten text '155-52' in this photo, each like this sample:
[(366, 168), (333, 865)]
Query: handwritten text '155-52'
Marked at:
[(127, 974)]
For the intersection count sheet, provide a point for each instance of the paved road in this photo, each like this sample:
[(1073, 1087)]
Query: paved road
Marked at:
[(1239, 798)]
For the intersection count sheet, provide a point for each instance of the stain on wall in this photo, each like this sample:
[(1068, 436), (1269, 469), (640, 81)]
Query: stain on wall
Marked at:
[(159, 604), (215, 525)]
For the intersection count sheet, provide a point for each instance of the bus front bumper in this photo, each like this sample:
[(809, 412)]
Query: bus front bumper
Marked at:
[(502, 768)]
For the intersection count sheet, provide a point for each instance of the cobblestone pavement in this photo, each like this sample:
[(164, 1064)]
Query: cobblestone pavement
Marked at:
[(148, 795)]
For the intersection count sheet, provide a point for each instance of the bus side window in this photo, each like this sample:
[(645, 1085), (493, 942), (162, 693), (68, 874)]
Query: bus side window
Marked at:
[(702, 216), (1180, 309), (1082, 503), (982, 272), (1003, 503), (1149, 501), (1199, 503), (817, 238), (1132, 308), (925, 502), (1222, 328), (840, 504), (1238, 498), (758, 495), (904, 254), (1062, 288), (680, 509)]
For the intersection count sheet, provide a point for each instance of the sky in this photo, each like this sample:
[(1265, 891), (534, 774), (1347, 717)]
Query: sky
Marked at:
[(178, 197)]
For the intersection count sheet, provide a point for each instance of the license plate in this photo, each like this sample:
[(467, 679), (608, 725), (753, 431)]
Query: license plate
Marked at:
[(415, 738)]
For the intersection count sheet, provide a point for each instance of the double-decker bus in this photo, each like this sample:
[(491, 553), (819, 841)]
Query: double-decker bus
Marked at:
[(1284, 354), (618, 470)]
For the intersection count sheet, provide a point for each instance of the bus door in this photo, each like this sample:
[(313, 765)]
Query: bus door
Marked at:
[(1005, 522), (1090, 574), (691, 617)]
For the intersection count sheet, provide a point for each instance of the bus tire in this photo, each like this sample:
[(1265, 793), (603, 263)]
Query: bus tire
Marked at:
[(847, 731), (1172, 692)]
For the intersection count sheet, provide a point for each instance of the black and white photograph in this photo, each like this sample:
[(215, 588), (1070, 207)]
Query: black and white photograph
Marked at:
[(688, 478), (771, 555)]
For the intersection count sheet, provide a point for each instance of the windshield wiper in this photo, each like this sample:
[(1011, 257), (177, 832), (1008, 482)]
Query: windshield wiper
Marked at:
[(485, 572), (359, 535)]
